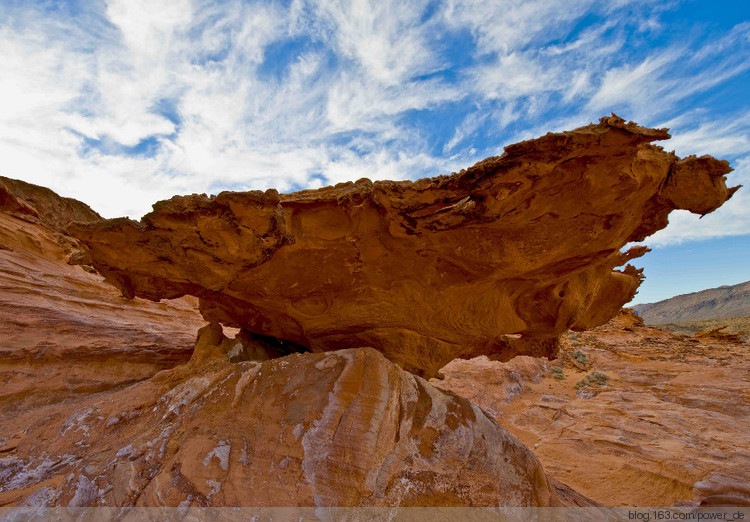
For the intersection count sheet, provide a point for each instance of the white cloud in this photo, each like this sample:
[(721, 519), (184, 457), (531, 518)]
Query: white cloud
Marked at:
[(716, 137), (663, 80), (634, 85), (515, 75), (503, 26), (387, 37)]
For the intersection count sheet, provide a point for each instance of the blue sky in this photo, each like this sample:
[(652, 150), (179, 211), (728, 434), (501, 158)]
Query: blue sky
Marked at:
[(121, 103)]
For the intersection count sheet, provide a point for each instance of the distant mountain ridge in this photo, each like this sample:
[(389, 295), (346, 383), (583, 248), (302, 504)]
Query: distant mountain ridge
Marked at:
[(713, 303)]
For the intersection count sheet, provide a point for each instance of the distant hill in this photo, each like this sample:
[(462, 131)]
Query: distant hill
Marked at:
[(714, 303)]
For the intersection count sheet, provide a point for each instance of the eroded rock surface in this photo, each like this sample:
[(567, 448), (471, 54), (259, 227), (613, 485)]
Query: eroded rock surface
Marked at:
[(63, 330), (345, 428), (670, 424), (41, 205), (106, 401), (496, 260)]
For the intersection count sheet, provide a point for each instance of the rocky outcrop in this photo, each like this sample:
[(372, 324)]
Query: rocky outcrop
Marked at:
[(346, 428), (64, 331), (719, 335), (668, 425), (487, 382), (496, 260), (626, 319), (41, 205), (107, 401)]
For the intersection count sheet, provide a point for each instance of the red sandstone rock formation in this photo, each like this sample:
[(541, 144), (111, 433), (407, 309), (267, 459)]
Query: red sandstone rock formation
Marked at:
[(626, 319), (63, 330), (88, 421), (41, 205), (497, 260), (718, 334), (670, 426), (346, 428)]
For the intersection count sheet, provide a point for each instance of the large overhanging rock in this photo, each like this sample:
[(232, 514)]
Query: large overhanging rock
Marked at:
[(497, 260)]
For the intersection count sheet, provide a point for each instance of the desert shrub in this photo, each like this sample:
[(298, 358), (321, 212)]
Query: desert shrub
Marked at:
[(579, 356), (592, 378), (598, 378), (557, 372)]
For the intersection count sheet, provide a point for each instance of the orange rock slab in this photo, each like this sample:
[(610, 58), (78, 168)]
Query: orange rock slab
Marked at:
[(670, 427), (345, 428), (496, 260), (63, 330)]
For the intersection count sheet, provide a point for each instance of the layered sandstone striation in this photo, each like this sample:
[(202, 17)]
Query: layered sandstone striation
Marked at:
[(107, 401), (496, 260), (669, 425), (345, 428), (63, 330)]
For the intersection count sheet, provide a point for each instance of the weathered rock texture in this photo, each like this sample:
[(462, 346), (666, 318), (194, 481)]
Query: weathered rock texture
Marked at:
[(41, 205), (498, 259), (63, 330), (670, 426), (347, 428), (110, 402)]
